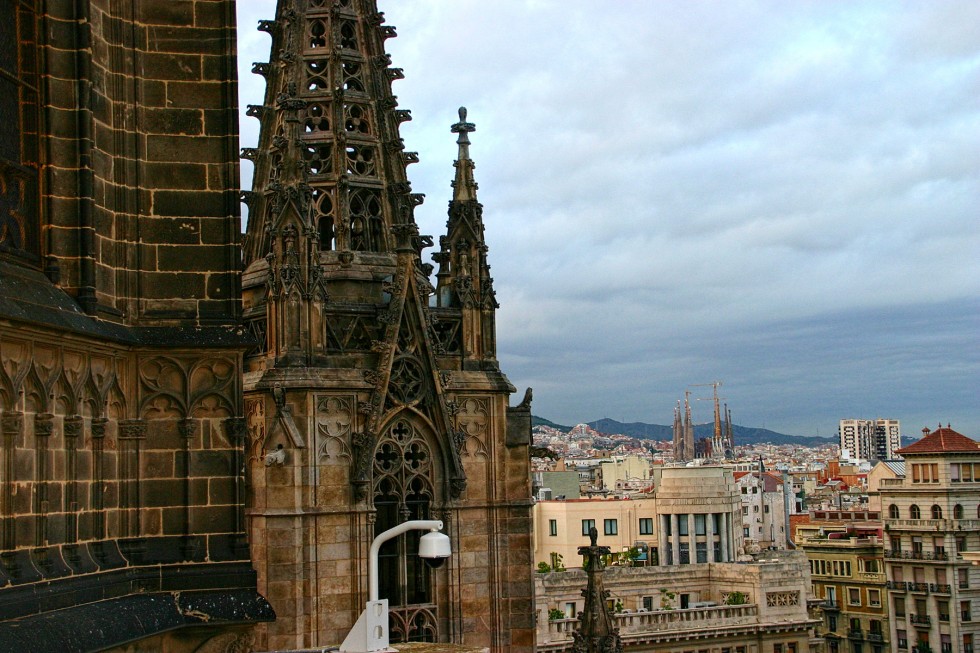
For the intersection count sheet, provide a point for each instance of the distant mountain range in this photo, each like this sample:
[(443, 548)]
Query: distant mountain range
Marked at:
[(643, 431)]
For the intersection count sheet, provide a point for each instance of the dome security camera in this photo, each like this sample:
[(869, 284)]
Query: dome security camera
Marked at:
[(434, 548)]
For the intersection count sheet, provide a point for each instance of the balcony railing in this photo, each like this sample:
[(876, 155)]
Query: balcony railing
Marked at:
[(920, 619), (830, 605), (916, 555), (876, 637), (898, 585), (933, 524), (641, 623), (939, 589), (918, 587), (855, 633)]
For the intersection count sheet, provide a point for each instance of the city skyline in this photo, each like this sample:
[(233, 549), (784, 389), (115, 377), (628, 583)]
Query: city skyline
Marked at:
[(779, 197)]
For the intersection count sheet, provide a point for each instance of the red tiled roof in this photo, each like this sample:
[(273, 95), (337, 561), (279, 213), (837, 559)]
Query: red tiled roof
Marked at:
[(942, 440)]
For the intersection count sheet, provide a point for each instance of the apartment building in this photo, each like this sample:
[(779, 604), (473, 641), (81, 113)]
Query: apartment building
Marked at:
[(870, 439), (845, 554), (931, 516), (763, 505)]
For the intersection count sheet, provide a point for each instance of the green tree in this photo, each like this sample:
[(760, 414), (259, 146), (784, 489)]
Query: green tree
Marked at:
[(736, 598), (556, 562), (632, 555)]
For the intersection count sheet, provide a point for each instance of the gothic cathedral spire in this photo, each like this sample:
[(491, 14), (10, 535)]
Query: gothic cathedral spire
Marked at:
[(377, 401)]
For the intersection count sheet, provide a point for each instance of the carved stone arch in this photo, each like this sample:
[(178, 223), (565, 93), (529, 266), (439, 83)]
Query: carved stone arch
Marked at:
[(163, 388), (115, 401), (406, 449), (93, 398), (211, 386), (8, 396), (15, 358), (228, 643), (439, 446), (66, 398), (405, 486), (36, 397), (293, 316)]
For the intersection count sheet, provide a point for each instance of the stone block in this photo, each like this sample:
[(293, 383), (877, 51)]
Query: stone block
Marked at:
[(165, 285), (169, 231), (172, 12), (190, 40), (211, 463), (158, 464), (189, 203), (201, 95), (221, 491), (198, 149), (170, 66), (185, 258)]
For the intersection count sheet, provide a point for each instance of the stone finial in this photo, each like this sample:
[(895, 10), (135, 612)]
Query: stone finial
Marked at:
[(596, 633), (463, 128), (464, 186)]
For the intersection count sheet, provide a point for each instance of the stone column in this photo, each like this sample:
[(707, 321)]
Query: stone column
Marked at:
[(692, 533), (725, 528), (675, 539), (662, 539), (709, 535)]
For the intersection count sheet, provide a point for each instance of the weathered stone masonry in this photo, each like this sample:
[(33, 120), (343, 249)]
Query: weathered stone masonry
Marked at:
[(121, 405)]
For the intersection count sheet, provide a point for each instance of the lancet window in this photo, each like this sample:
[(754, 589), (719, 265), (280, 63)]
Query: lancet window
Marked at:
[(403, 490)]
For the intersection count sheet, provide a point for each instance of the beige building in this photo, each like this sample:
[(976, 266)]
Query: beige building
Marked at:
[(884, 469), (691, 516), (758, 607), (844, 549), (931, 516), (623, 471)]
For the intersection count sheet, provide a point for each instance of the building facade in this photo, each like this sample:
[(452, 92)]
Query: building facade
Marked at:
[(753, 607), (377, 394), (764, 508), (932, 515), (845, 553), (691, 516), (870, 439), (122, 493)]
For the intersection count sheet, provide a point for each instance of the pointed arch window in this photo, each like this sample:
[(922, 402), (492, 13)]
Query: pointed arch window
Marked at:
[(366, 221), (19, 131), (403, 490)]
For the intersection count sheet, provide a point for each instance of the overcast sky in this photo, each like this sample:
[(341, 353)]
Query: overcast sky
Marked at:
[(783, 196)]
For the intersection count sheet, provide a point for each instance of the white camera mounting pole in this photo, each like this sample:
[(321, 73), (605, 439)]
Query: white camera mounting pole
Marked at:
[(370, 633)]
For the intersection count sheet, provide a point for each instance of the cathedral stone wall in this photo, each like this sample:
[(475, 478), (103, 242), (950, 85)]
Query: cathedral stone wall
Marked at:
[(121, 393)]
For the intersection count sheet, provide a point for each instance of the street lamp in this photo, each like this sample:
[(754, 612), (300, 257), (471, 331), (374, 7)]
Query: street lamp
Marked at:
[(370, 633)]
